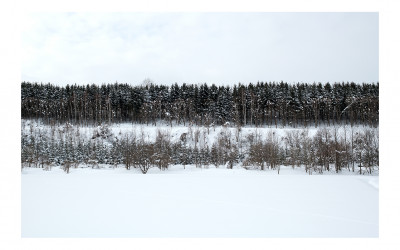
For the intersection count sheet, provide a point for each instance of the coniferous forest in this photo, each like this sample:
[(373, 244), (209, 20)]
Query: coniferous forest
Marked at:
[(260, 104), (346, 116)]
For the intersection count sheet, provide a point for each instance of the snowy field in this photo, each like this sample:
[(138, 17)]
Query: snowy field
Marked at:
[(197, 203), (206, 135)]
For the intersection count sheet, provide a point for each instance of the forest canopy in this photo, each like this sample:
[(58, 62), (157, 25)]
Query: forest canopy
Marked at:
[(271, 104)]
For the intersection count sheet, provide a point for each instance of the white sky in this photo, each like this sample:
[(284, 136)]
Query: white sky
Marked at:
[(222, 48)]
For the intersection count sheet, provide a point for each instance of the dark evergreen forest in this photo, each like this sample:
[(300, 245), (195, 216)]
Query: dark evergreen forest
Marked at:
[(257, 104)]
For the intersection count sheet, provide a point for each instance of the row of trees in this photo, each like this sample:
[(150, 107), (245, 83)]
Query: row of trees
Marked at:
[(258, 104), (328, 150)]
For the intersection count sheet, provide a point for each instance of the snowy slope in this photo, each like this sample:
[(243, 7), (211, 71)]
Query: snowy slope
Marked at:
[(206, 135)]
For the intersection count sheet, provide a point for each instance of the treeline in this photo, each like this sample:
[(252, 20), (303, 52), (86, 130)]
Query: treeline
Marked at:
[(331, 149), (258, 104)]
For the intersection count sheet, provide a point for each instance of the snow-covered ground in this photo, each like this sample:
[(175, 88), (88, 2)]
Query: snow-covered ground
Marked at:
[(206, 135), (197, 203)]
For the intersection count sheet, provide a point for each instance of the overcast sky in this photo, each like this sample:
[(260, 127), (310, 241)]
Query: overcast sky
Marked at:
[(221, 48)]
